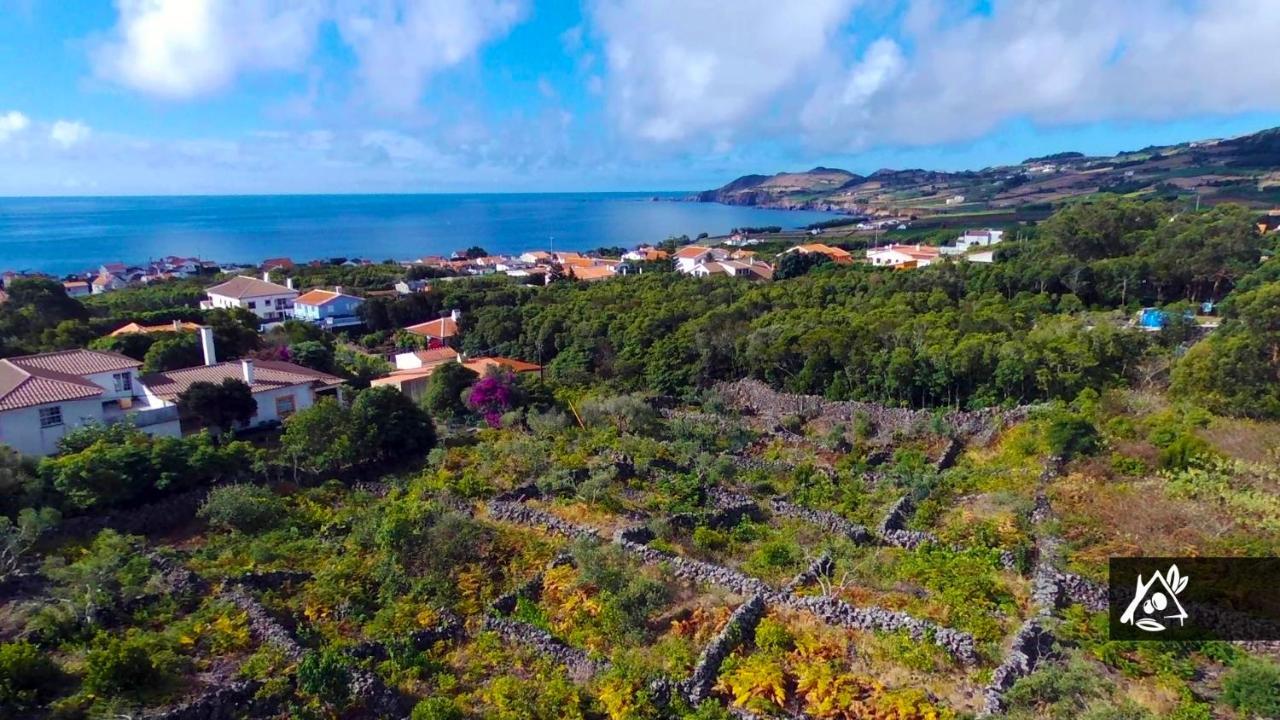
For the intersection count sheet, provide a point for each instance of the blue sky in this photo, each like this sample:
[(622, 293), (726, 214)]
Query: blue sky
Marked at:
[(262, 96)]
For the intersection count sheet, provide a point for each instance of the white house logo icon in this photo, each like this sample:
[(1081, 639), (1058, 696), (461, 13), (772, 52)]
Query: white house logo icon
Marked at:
[(1156, 601)]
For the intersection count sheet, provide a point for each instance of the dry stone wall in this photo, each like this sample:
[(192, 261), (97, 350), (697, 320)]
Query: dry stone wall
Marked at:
[(741, 626)]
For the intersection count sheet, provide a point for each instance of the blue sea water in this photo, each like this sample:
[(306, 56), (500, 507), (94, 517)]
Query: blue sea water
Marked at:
[(66, 235)]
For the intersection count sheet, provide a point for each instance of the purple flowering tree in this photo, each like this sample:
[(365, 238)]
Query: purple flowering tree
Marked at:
[(493, 395)]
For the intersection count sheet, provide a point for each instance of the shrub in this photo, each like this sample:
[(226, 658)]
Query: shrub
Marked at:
[(1071, 435), (1253, 688), (247, 508), (437, 708), (709, 540), (121, 666), (26, 674), (773, 636), (326, 676)]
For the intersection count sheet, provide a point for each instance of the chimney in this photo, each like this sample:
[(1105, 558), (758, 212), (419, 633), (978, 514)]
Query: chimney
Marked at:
[(246, 369), (206, 343), (455, 315), (288, 282), (177, 326), (337, 289), (266, 276)]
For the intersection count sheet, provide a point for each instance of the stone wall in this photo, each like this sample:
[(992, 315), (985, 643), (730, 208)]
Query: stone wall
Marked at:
[(233, 701), (833, 611), (740, 627), (893, 529), (822, 567), (828, 521), (756, 397), (1031, 644), (580, 666)]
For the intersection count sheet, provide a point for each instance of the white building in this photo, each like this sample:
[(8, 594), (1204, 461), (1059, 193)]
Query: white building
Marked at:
[(690, 257), (903, 256), (280, 388), (973, 239), (267, 300), (44, 396)]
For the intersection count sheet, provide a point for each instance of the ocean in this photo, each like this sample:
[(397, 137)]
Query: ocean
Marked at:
[(71, 235)]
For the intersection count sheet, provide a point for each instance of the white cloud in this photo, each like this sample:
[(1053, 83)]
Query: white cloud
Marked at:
[(401, 43), (66, 133), (12, 123), (1054, 62), (692, 72), (181, 49), (682, 68)]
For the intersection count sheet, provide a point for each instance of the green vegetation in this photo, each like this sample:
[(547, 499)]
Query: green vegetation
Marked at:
[(365, 529)]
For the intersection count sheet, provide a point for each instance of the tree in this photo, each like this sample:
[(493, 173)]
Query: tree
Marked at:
[(317, 439), (358, 367), (220, 406), (245, 508), (173, 351), (795, 264), (443, 396), (235, 331), (312, 354), (134, 345), (386, 426), (493, 395), (18, 537), (475, 251)]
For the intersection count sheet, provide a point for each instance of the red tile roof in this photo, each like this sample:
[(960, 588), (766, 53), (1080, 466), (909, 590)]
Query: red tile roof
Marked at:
[(31, 380), (444, 327), (481, 365), (243, 286), (267, 375), (319, 297), (134, 327), (436, 356), (692, 251)]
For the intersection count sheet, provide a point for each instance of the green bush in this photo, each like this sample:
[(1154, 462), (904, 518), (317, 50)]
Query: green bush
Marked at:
[(1253, 688), (437, 708), (121, 666), (709, 540), (326, 676), (1071, 435), (773, 636), (26, 675), (247, 508)]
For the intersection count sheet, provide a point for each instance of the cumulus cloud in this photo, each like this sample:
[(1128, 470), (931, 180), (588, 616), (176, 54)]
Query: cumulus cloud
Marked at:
[(12, 123), (67, 133), (682, 68), (186, 48), (691, 71), (401, 43), (182, 49)]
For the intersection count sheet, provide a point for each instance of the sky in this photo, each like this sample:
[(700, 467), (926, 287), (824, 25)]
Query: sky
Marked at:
[(323, 96)]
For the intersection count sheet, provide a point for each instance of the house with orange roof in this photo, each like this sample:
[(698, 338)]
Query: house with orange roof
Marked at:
[(646, 254), (440, 331), (592, 273), (44, 396), (691, 256), (483, 365), (903, 256), (280, 263), (840, 256), (177, 326), (77, 288), (328, 308)]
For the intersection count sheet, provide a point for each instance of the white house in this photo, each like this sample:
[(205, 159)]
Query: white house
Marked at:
[(973, 239), (903, 256), (106, 282), (267, 300), (422, 359), (43, 396), (691, 256)]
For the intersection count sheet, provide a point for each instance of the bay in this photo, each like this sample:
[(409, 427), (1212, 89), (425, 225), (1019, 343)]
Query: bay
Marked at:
[(72, 234)]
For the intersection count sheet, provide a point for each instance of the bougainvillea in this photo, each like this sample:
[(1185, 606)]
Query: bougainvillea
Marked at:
[(492, 396)]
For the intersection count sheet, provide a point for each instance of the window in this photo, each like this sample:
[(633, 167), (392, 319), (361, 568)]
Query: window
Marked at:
[(51, 416), (124, 381), (284, 405), (252, 304)]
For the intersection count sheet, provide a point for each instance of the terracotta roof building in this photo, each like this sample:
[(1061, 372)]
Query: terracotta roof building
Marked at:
[(43, 396)]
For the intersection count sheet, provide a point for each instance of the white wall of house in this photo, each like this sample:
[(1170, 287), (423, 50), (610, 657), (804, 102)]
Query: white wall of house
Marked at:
[(22, 429), (268, 409), (267, 307)]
